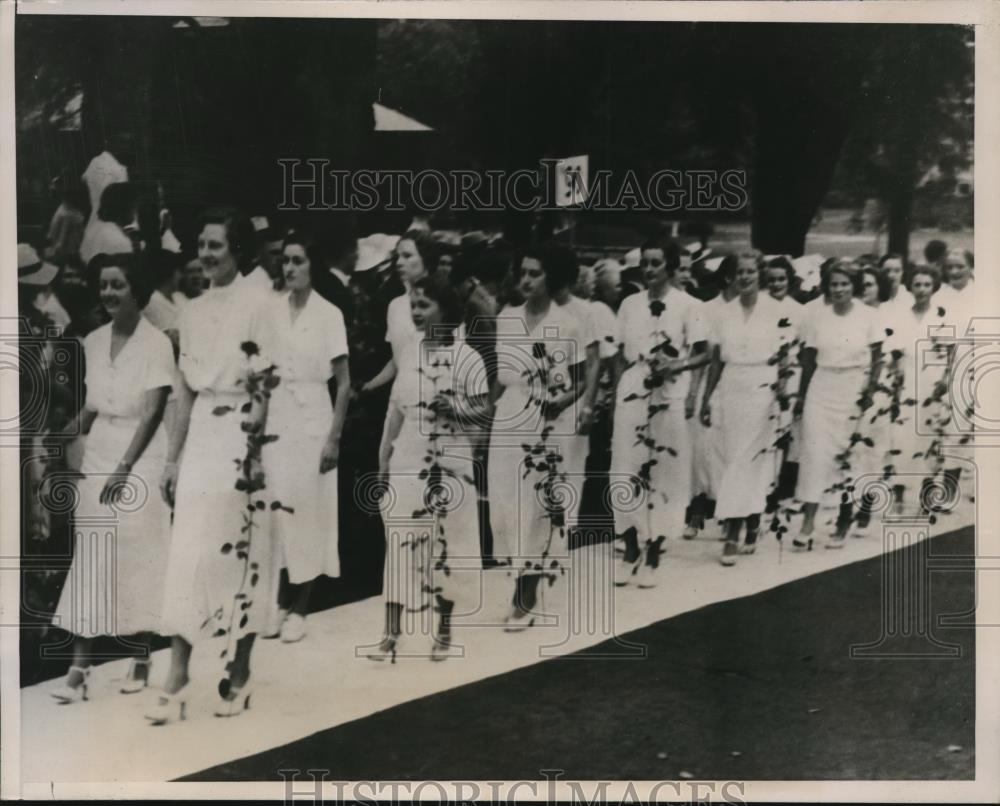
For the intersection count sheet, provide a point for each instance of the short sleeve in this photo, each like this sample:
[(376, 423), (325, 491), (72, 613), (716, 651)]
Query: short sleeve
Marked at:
[(605, 328), (470, 374), (159, 361), (90, 365)]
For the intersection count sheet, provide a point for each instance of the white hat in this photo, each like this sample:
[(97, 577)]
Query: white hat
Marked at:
[(30, 268), (713, 263), (260, 223), (169, 242), (632, 258), (807, 267), (374, 251)]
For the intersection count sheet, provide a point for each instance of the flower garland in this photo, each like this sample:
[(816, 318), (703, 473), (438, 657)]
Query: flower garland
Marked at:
[(260, 381), (547, 460)]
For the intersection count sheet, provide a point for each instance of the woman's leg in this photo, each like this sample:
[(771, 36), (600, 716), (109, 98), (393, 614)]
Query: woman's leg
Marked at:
[(732, 535), (809, 518), (180, 659), (81, 661), (299, 596), (239, 667)]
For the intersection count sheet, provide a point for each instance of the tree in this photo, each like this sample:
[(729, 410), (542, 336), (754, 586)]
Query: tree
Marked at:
[(915, 112)]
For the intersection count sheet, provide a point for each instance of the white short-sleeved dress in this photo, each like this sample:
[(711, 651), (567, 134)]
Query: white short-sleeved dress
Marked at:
[(519, 515), (115, 583), (575, 461), (643, 325), (300, 414), (416, 541), (203, 581), (707, 465), (917, 341), (794, 312), (747, 411), (843, 356), (401, 334)]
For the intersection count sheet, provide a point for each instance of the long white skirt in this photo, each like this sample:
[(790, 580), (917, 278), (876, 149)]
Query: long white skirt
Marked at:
[(115, 582), (746, 416), (419, 546), (660, 510), (213, 580), (300, 415), (831, 416), (523, 527)]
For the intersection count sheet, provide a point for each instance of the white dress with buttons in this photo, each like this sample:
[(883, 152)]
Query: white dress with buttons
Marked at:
[(660, 513), (300, 414), (115, 583), (203, 581)]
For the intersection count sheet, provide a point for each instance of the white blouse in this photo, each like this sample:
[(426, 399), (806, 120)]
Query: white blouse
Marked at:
[(400, 331), (605, 328), (303, 349), (115, 388), (842, 342), (754, 339), (639, 330), (517, 346), (213, 326)]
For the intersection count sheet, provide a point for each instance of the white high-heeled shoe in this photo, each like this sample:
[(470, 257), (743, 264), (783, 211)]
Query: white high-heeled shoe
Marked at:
[(169, 708), (134, 684), (66, 694), (236, 703)]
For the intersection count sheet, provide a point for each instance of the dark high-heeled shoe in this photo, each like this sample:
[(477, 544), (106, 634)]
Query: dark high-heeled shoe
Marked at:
[(386, 650)]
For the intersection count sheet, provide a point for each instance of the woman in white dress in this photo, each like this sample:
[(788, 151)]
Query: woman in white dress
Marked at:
[(841, 358), (659, 331), (206, 581), (780, 278), (106, 235), (707, 462), (921, 382), (533, 420), (115, 582), (305, 338), (430, 509), (748, 366)]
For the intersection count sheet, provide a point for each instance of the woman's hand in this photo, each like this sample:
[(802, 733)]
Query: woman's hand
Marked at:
[(114, 487), (168, 483), (690, 404), (706, 414), (329, 457), (584, 420)]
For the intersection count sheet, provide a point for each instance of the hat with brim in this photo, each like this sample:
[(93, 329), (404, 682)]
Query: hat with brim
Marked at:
[(31, 269), (375, 252)]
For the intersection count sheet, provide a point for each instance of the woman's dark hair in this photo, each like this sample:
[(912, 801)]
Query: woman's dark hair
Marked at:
[(161, 264), (558, 262), (881, 281), (427, 248), (892, 256), (318, 270), (441, 292), (931, 271), (239, 232), (783, 263), (118, 204), (935, 250), (671, 252), (845, 268), (137, 273)]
